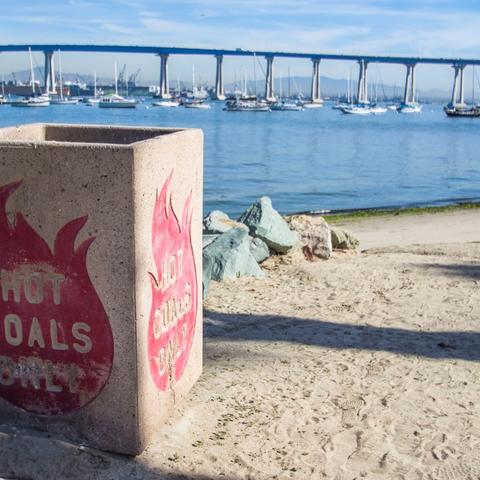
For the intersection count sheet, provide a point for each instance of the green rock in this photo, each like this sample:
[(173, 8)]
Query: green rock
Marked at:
[(229, 257), (259, 249), (219, 222), (266, 223)]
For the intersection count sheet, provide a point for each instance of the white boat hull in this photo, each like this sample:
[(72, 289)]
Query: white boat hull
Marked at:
[(28, 104), (312, 105), (117, 104), (356, 111), (165, 104)]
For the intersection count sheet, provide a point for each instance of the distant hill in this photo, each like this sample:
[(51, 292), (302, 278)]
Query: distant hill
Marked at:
[(330, 87)]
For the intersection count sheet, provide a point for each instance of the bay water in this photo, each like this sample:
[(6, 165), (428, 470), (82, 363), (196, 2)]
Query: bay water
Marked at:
[(314, 160)]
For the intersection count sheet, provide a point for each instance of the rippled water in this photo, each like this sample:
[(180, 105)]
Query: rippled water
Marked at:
[(312, 160)]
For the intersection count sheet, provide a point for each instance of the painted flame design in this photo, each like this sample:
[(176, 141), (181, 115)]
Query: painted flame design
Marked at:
[(174, 292), (24, 252)]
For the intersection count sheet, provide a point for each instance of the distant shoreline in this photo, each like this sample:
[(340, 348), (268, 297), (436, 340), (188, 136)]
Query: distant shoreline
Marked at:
[(363, 213)]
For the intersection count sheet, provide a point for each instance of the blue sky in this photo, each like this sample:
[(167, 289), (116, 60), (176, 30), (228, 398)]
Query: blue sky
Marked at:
[(400, 27)]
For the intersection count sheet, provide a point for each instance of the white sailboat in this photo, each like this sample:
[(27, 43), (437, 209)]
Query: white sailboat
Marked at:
[(91, 102), (198, 96), (61, 100), (115, 100), (33, 101), (375, 108)]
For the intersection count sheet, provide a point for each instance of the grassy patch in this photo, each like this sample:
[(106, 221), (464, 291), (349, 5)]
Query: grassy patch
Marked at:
[(362, 214)]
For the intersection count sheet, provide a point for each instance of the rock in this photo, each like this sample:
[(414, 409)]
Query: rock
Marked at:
[(230, 256), (208, 238), (314, 233), (343, 240), (266, 223), (219, 222), (207, 275), (259, 249)]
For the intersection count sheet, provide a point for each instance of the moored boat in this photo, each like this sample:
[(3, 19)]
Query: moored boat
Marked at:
[(462, 111), (33, 101), (412, 107), (283, 106), (359, 109), (116, 101), (166, 103)]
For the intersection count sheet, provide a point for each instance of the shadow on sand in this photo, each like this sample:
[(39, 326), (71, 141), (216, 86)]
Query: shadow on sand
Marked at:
[(464, 345)]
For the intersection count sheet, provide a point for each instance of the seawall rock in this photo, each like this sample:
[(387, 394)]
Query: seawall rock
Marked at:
[(314, 233), (266, 223), (344, 240), (259, 249), (219, 222), (229, 256)]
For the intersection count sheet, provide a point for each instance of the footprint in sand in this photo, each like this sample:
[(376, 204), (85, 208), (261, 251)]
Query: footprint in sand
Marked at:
[(350, 407), (467, 470)]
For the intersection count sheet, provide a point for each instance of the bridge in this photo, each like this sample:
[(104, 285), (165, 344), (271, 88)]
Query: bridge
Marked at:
[(458, 64)]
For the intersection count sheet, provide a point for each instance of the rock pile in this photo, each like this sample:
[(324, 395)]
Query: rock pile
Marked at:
[(232, 249)]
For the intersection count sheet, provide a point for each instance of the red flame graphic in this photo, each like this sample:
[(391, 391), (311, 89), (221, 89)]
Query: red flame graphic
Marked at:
[(174, 292), (56, 344)]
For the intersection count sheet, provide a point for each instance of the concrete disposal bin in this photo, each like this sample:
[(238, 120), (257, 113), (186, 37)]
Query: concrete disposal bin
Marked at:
[(100, 272)]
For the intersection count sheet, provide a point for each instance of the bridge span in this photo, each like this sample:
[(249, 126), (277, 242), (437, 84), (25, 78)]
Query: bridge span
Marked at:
[(164, 53)]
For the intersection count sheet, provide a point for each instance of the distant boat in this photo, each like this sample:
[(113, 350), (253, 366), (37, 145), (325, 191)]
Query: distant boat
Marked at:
[(166, 103), (283, 106), (61, 100), (312, 105), (412, 107), (33, 100), (462, 111), (242, 105), (38, 101), (361, 109), (377, 109), (393, 106), (115, 100), (91, 102), (196, 104)]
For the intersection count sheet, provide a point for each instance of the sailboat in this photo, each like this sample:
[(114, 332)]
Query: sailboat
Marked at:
[(198, 96), (91, 102), (34, 100), (285, 105), (61, 100), (375, 108), (115, 100)]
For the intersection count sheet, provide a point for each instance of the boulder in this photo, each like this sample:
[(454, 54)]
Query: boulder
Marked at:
[(219, 222), (266, 223), (259, 249), (208, 238), (343, 240), (314, 233), (230, 257), (207, 274)]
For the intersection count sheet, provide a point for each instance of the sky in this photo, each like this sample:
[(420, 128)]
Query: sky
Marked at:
[(443, 28)]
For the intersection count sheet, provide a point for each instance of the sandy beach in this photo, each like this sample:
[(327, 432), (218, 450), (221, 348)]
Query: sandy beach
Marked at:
[(365, 366)]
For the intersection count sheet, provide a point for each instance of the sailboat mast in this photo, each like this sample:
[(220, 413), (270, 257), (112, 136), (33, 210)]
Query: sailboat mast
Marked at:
[(32, 75), (94, 84), (348, 88), (255, 73), (193, 80), (116, 79), (473, 85), (288, 92), (60, 74)]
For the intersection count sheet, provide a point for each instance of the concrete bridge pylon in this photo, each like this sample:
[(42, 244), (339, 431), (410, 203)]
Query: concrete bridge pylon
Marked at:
[(316, 96), (219, 86)]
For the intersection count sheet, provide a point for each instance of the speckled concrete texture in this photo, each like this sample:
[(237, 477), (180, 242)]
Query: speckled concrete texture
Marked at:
[(115, 176)]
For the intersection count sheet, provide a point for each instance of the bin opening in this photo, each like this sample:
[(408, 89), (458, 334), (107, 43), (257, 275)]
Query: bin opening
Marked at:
[(116, 135)]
